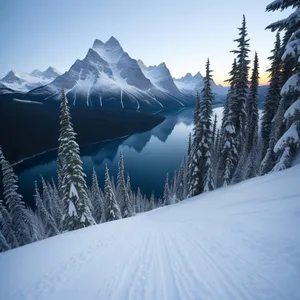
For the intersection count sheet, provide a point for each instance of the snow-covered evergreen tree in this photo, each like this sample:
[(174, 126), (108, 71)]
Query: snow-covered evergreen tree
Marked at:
[(97, 200), (252, 108), (15, 205), (51, 205), (57, 202), (273, 96), (180, 183), (238, 103), (132, 203), (43, 213), (151, 202), (290, 92), (229, 153), (77, 213), (200, 158), (6, 227), (112, 211), (166, 196), (37, 228), (214, 131), (4, 246), (139, 201), (231, 93), (122, 193)]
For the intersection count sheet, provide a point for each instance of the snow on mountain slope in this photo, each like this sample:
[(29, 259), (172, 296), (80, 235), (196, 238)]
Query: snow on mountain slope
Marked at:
[(236, 243), (24, 82), (109, 77), (160, 76)]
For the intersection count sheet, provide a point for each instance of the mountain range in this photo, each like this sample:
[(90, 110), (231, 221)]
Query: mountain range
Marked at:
[(109, 77), (25, 82)]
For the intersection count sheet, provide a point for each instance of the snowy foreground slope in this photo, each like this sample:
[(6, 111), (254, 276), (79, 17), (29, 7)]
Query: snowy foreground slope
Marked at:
[(240, 242)]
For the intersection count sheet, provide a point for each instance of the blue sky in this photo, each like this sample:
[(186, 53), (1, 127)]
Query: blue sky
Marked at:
[(37, 34)]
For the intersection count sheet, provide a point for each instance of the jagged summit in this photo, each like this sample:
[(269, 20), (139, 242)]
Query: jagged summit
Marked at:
[(112, 42), (97, 43)]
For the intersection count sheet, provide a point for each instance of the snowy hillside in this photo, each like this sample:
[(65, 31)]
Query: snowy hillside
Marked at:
[(240, 242), (25, 82)]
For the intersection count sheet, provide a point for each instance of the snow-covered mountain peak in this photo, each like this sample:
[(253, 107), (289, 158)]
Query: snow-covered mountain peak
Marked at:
[(51, 73), (97, 44), (188, 76), (198, 76), (36, 73), (112, 43), (25, 82), (141, 64)]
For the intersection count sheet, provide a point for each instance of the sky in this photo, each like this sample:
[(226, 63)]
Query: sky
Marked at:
[(36, 34)]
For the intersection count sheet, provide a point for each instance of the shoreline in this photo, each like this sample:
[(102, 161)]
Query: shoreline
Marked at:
[(53, 149)]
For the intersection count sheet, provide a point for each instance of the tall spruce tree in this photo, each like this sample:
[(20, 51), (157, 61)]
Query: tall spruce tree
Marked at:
[(238, 103), (166, 196), (112, 210), (206, 144), (7, 229), (122, 193), (252, 109), (287, 146), (151, 202), (77, 213), (44, 214), (273, 96), (15, 205), (97, 199)]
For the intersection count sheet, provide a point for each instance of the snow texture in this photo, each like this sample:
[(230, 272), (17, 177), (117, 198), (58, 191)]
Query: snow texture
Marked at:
[(292, 83), (290, 135), (235, 243), (291, 111)]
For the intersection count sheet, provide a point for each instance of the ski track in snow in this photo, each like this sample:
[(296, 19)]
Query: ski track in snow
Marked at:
[(229, 244)]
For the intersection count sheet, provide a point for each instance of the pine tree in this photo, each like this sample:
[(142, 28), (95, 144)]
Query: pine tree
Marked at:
[(14, 203), (290, 92), (4, 246), (229, 152), (180, 183), (214, 132), (252, 109), (206, 143), (46, 217), (139, 201), (112, 208), (97, 200), (166, 196), (269, 160), (77, 213), (6, 227), (197, 110), (38, 231), (58, 204), (231, 93), (152, 202), (273, 96), (50, 204), (238, 103), (124, 200), (202, 142), (189, 145), (132, 202)]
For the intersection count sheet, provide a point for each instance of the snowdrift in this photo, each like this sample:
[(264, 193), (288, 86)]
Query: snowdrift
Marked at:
[(239, 242)]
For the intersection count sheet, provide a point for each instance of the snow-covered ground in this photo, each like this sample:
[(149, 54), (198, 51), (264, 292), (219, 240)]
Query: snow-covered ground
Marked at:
[(239, 242)]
